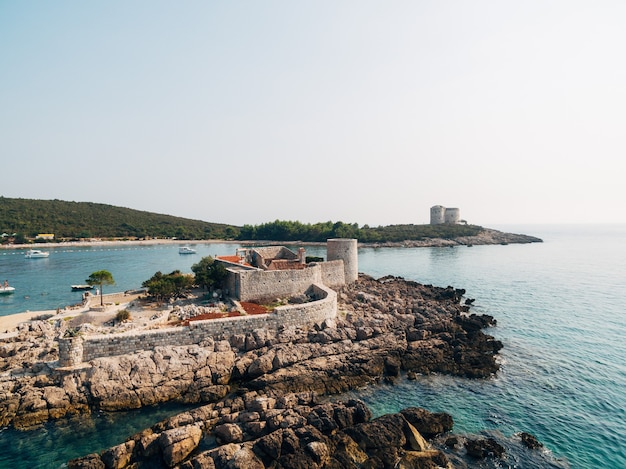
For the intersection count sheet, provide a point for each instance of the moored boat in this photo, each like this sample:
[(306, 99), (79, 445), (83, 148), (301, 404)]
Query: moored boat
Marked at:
[(35, 253), (186, 250), (82, 287), (6, 290)]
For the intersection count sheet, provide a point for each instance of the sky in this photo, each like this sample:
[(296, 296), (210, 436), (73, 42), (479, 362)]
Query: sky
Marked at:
[(368, 112)]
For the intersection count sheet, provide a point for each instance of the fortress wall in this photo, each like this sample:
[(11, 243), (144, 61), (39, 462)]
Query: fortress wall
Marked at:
[(264, 285), (75, 350), (333, 273)]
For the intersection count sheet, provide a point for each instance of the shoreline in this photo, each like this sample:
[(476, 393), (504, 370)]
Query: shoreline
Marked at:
[(10, 322), (138, 242), (487, 237)]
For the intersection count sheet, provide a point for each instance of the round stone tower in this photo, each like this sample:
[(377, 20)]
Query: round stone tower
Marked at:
[(437, 214), (346, 250), (452, 216)]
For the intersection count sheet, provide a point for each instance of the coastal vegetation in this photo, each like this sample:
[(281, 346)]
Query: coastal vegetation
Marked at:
[(208, 273), (100, 278), (22, 220), (164, 287), (319, 232)]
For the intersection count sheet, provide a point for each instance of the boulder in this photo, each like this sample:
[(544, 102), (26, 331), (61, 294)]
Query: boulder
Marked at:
[(90, 461), (229, 433), (428, 424), (530, 441), (119, 456), (176, 444), (484, 447)]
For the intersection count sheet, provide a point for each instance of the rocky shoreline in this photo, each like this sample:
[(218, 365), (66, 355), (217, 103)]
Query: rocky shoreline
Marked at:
[(486, 237), (254, 385)]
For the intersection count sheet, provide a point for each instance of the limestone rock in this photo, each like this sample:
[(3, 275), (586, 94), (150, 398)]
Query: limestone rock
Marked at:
[(229, 433), (90, 461), (119, 456), (178, 443), (428, 424)]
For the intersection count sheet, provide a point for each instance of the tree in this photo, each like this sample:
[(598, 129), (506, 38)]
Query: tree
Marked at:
[(209, 273), (100, 278), (172, 285)]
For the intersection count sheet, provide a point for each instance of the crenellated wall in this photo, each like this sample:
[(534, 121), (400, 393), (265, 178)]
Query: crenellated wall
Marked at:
[(75, 350)]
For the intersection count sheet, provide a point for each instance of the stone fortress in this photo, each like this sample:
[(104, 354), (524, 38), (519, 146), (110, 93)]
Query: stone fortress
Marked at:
[(440, 215), (260, 275)]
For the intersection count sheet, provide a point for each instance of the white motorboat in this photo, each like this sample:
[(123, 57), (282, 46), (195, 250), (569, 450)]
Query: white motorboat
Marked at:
[(6, 290), (82, 287), (186, 250), (35, 253)]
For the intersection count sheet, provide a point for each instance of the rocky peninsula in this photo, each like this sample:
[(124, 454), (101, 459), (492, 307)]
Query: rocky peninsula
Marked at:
[(263, 396)]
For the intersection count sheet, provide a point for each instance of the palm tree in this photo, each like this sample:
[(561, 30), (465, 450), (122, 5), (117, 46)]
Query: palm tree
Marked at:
[(100, 278)]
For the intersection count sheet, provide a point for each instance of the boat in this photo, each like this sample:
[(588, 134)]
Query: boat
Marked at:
[(82, 287), (36, 253), (186, 250), (6, 290)]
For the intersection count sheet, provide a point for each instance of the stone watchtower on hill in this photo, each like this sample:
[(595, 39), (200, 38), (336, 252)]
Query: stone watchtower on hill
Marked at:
[(440, 215)]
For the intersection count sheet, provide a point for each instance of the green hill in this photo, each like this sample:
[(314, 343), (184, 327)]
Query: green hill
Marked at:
[(82, 220), (70, 220)]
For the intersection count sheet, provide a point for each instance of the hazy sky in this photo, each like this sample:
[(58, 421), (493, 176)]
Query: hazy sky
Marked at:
[(366, 112)]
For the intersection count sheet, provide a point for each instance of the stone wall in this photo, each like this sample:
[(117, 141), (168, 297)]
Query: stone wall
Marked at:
[(74, 350), (333, 273), (267, 285)]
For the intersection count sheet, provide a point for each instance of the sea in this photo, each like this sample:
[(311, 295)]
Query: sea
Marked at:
[(560, 307)]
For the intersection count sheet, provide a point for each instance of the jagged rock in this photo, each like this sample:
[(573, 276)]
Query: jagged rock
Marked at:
[(428, 424), (176, 444), (428, 459), (530, 441), (319, 451), (222, 454), (483, 447), (119, 456), (384, 432), (201, 461), (244, 458), (229, 433), (90, 461), (348, 453)]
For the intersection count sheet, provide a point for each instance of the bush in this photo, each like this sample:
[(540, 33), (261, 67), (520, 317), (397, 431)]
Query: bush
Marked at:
[(122, 315)]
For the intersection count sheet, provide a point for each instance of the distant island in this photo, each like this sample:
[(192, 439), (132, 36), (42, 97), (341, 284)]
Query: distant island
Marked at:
[(27, 221)]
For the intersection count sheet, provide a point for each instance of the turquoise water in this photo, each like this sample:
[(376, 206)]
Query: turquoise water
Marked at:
[(561, 317), (44, 284)]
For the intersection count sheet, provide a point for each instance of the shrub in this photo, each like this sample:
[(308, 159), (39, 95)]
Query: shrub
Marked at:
[(122, 315)]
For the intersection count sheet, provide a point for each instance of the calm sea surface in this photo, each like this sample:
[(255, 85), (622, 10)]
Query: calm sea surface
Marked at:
[(561, 311)]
